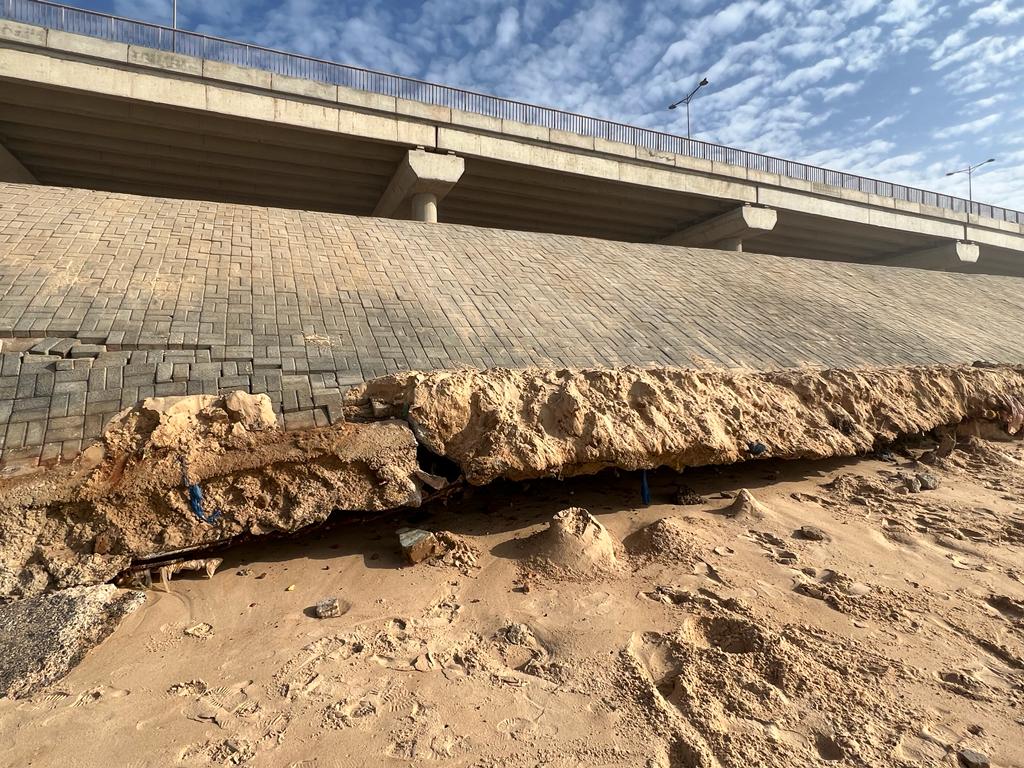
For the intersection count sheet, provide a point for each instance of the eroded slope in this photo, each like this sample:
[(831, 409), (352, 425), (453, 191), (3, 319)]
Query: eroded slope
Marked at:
[(521, 424)]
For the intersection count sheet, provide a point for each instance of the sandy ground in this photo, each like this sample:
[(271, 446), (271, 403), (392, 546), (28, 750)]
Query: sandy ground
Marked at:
[(710, 640)]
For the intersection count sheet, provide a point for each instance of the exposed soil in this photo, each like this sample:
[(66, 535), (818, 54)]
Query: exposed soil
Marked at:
[(131, 495), (701, 645), (857, 612)]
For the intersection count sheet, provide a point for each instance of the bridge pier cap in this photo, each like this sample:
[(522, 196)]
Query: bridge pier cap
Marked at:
[(421, 181)]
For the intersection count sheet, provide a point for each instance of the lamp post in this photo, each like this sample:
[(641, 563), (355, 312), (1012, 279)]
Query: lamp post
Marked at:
[(174, 25), (686, 101), (969, 170)]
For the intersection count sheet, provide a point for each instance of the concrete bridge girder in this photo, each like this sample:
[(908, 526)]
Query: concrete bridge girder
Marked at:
[(108, 87), (954, 254)]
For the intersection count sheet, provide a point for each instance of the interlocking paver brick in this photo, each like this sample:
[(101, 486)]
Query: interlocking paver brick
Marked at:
[(194, 297)]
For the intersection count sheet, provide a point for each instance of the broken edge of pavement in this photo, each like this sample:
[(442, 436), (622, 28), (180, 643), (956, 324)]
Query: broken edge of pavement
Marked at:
[(177, 473)]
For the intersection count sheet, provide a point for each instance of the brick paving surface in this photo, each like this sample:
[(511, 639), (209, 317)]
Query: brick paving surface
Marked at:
[(106, 299)]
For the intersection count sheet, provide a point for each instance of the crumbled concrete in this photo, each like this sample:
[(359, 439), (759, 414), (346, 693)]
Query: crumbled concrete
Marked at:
[(522, 424), (44, 638), (418, 545), (328, 608), (176, 473)]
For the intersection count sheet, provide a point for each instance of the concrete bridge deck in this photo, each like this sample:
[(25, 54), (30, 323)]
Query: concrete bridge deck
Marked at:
[(85, 111), (108, 298)]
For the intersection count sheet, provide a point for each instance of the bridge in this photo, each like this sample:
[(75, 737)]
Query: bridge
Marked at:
[(93, 101)]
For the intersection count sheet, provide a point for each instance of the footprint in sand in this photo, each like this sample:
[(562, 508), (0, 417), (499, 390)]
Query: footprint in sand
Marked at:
[(97, 693)]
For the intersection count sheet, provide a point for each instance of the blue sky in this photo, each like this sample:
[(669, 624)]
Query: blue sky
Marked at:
[(902, 89)]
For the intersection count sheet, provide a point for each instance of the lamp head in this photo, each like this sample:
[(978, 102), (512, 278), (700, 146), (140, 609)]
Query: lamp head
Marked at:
[(671, 106), (704, 81)]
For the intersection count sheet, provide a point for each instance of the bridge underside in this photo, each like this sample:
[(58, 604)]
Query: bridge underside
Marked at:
[(82, 138)]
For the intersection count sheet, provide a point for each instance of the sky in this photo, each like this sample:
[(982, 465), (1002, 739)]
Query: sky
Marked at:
[(903, 90)]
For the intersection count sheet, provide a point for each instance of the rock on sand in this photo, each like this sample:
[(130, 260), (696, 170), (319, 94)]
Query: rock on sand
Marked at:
[(44, 638)]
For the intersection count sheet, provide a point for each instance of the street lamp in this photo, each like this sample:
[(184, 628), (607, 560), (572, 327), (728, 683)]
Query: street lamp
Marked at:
[(686, 101), (969, 170)]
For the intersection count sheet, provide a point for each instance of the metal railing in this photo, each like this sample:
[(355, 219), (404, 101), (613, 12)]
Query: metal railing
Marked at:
[(75, 20)]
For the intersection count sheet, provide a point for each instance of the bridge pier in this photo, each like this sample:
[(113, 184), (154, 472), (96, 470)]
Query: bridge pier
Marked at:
[(728, 230), (420, 183)]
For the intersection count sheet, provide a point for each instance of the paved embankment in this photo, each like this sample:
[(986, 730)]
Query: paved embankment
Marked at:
[(108, 298)]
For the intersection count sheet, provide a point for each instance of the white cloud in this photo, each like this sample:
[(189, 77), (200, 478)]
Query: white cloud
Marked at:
[(801, 78), (885, 122), (972, 126), (838, 91), (508, 27)]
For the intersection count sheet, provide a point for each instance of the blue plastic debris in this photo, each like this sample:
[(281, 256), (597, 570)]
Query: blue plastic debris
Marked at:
[(645, 489), (195, 498), (756, 448), (195, 501)]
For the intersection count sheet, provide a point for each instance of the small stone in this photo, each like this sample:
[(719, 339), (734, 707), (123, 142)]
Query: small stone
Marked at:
[(811, 533), (519, 634), (686, 496), (417, 544), (328, 608), (436, 482), (244, 572), (927, 481), (380, 409), (911, 482), (976, 730), (201, 630), (971, 759), (290, 588)]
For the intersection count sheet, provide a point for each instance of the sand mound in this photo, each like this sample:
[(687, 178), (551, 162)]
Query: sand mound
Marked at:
[(669, 540), (575, 544), (533, 423), (746, 507)]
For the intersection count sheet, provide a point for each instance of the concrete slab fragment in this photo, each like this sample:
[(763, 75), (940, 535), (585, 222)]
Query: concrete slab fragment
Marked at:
[(44, 638)]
